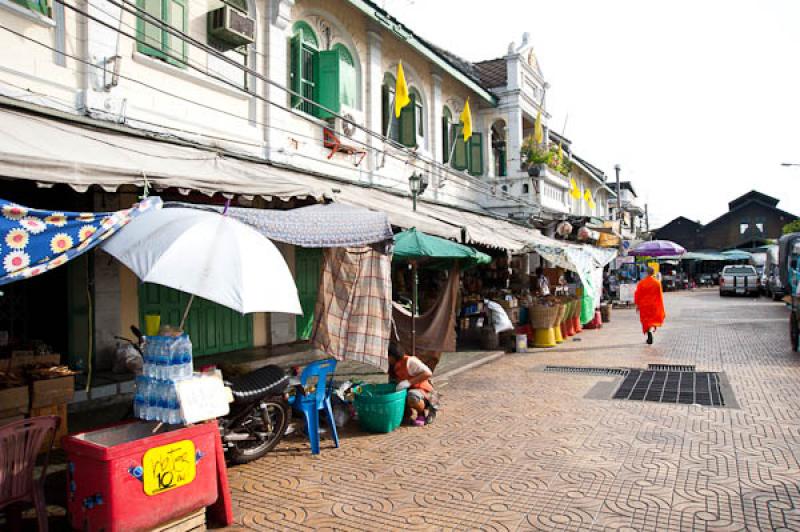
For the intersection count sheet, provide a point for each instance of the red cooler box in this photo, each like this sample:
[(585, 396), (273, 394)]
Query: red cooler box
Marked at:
[(125, 478)]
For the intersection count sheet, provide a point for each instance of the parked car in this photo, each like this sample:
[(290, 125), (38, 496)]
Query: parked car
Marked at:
[(739, 280)]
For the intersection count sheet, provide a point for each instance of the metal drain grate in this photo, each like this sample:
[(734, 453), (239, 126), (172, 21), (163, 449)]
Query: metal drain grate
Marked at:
[(679, 387), (586, 371), (670, 367)]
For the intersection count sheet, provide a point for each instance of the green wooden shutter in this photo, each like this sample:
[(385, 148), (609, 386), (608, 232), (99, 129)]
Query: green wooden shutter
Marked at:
[(295, 67), (308, 265), (79, 323), (328, 88), (476, 154), (460, 152), (446, 132), (408, 124), (150, 37), (178, 18)]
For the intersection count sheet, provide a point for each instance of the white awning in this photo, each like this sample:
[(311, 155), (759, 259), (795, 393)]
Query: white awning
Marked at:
[(397, 208), (51, 151)]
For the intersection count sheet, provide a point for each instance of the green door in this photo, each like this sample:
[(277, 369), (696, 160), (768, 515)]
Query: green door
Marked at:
[(308, 265), (212, 327)]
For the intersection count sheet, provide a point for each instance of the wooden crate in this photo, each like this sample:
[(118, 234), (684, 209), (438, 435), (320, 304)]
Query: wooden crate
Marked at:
[(194, 522), (59, 410), (14, 401), (52, 391)]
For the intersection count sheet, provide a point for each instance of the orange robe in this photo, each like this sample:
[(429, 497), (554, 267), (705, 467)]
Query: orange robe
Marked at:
[(650, 301)]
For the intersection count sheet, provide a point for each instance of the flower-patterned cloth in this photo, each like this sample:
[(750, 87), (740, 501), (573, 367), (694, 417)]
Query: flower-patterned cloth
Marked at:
[(33, 241)]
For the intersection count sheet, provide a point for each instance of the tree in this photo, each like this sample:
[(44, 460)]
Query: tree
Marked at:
[(792, 227)]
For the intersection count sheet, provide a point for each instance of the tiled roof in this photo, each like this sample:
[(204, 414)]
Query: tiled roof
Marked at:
[(466, 68), (493, 73)]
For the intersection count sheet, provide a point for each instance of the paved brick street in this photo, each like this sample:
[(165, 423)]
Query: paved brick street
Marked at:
[(516, 448)]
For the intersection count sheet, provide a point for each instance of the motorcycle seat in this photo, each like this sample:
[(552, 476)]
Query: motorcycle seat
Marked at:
[(268, 380)]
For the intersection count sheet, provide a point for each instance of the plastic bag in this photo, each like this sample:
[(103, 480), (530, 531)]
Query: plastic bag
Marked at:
[(500, 319), (127, 360)]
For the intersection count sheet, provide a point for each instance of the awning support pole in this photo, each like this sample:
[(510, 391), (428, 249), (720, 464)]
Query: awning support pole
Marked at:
[(186, 312), (414, 295)]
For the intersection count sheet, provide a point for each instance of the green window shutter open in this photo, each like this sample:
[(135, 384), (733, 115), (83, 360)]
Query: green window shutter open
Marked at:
[(347, 76), (328, 87), (408, 124), (476, 154), (150, 37), (446, 145), (39, 6), (296, 51), (460, 152), (178, 19)]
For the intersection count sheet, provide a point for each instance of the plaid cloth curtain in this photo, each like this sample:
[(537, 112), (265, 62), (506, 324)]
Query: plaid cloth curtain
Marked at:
[(354, 307)]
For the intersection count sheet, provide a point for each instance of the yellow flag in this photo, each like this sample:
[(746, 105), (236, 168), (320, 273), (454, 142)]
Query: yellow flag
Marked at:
[(588, 197), (466, 121), (560, 154), (538, 130), (401, 97), (573, 189)]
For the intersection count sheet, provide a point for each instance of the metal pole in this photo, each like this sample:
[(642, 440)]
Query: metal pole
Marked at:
[(619, 192), (414, 295)]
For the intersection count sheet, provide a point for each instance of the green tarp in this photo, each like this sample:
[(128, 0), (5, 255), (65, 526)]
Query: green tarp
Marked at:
[(415, 245)]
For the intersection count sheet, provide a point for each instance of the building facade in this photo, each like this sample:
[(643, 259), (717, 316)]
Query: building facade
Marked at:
[(307, 86), (752, 220)]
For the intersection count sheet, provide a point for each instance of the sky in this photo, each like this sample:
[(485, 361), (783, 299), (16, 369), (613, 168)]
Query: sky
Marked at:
[(696, 100)]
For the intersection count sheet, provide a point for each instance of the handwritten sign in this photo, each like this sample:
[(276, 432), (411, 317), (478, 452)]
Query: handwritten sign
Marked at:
[(168, 467), (202, 397)]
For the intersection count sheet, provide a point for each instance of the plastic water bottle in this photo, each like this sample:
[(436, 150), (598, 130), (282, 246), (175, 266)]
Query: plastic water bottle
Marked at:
[(139, 399), (186, 356), (174, 416), (163, 360), (151, 411)]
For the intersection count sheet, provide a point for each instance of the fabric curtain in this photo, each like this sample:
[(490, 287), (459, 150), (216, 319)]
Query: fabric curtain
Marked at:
[(435, 329), (353, 311), (35, 241)]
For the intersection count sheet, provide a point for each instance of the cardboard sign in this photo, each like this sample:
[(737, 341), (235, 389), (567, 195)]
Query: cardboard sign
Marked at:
[(202, 397), (168, 467)]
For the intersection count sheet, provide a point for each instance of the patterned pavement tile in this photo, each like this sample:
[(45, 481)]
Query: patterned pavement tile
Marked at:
[(515, 448)]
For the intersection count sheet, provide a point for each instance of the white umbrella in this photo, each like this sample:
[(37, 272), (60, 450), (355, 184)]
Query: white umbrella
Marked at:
[(209, 255)]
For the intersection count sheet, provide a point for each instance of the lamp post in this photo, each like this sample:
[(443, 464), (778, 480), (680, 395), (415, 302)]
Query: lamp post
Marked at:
[(417, 184), (617, 169)]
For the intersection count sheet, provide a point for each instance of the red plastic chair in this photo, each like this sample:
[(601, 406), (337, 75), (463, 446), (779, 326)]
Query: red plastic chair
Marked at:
[(19, 445)]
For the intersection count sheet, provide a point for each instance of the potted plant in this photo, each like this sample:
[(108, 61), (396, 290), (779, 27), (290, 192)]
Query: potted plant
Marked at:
[(533, 156)]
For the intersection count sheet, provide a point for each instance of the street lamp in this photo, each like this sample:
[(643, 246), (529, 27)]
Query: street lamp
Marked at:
[(417, 183), (617, 169)]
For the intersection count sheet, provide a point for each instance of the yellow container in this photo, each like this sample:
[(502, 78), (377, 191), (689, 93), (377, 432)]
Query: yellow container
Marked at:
[(152, 324)]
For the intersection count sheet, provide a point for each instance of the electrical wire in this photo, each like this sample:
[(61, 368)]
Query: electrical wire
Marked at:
[(141, 13)]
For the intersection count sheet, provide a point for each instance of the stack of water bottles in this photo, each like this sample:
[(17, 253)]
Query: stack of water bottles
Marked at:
[(167, 360)]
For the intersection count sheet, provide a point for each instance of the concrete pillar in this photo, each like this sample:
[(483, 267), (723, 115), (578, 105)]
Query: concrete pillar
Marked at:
[(374, 81), (514, 138), (276, 67)]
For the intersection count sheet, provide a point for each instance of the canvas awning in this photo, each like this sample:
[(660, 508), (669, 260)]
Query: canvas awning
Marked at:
[(50, 151)]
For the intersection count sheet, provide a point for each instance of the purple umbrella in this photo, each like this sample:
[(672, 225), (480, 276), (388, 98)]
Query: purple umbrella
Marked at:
[(657, 248)]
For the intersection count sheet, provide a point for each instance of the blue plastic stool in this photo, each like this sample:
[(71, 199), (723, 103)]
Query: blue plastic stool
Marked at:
[(310, 405)]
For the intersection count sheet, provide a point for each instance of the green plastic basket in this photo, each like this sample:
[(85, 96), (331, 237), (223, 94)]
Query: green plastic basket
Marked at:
[(380, 407)]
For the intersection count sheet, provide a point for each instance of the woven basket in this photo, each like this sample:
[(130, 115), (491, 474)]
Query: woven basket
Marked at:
[(570, 312), (560, 316), (578, 307), (543, 316)]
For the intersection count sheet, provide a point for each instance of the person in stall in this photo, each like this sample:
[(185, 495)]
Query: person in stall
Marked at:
[(542, 286), (411, 374)]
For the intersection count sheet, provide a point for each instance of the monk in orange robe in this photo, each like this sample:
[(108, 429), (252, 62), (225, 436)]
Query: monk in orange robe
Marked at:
[(649, 301)]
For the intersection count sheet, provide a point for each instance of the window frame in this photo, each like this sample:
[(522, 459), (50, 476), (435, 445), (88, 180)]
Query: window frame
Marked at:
[(447, 123), (304, 55), (41, 7), (164, 50)]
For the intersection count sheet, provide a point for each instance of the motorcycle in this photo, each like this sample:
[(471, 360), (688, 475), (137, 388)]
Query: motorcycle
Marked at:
[(259, 415)]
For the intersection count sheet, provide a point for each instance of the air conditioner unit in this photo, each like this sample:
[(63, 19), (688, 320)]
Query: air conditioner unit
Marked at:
[(231, 26), (345, 127)]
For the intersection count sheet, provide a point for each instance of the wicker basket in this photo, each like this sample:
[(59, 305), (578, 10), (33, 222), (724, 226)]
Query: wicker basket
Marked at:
[(562, 308), (543, 316), (570, 312)]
